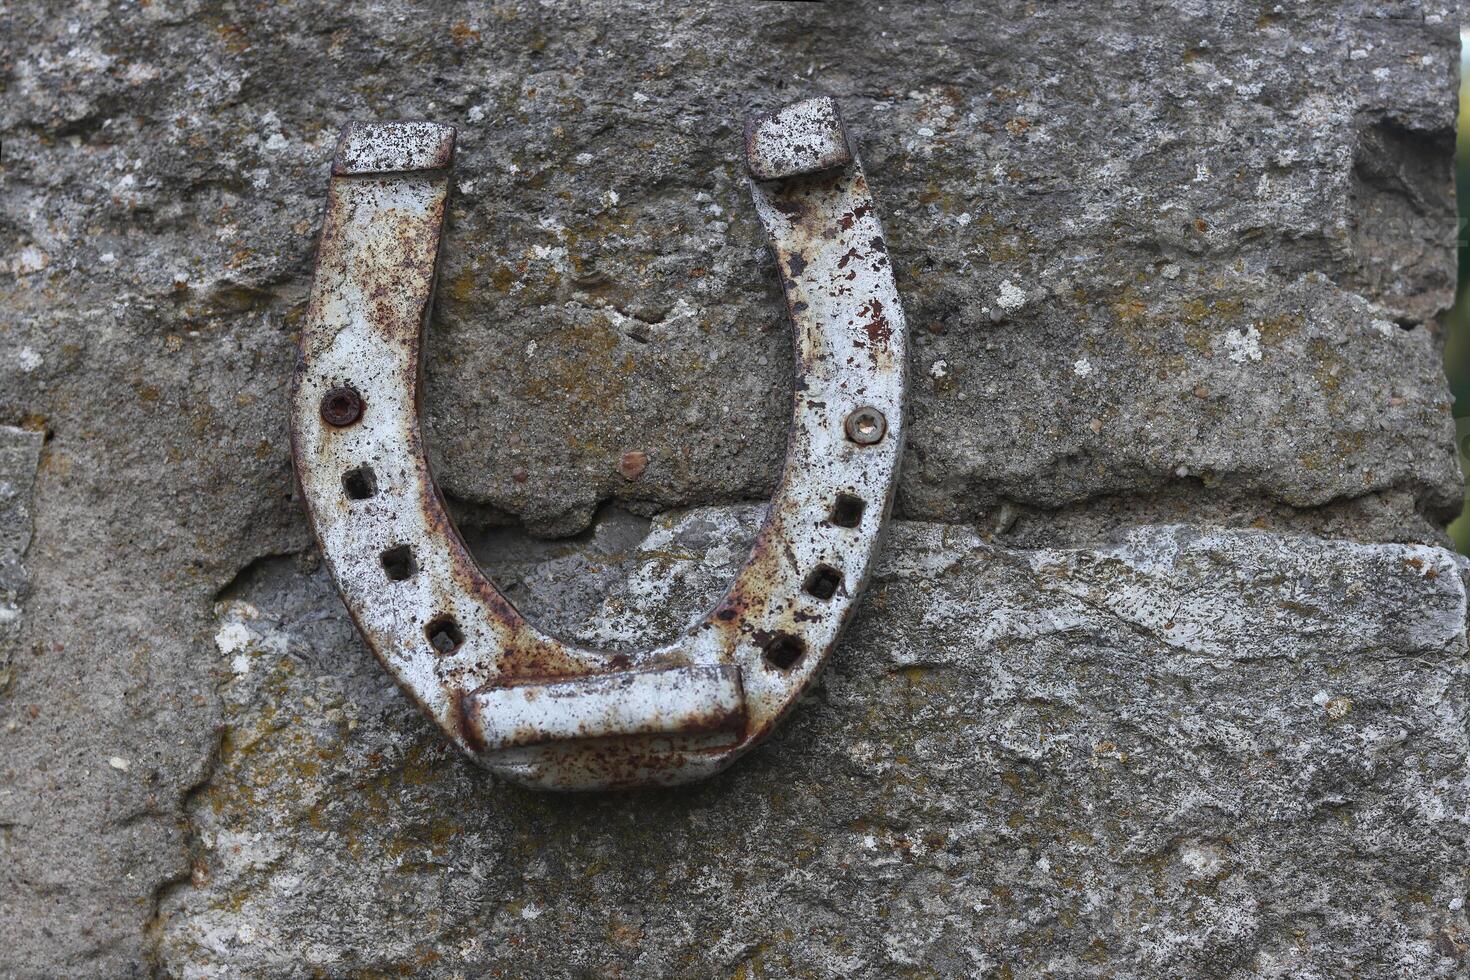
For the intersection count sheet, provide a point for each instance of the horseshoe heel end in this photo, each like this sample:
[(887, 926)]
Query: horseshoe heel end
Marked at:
[(525, 705), (802, 138), (393, 148)]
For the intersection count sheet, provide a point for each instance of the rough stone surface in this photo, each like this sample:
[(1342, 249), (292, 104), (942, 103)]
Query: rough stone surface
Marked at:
[(20, 457), (1173, 264), (1136, 251), (1191, 752)]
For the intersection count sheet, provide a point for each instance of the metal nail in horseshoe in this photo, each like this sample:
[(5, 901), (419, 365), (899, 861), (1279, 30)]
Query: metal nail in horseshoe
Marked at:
[(517, 701)]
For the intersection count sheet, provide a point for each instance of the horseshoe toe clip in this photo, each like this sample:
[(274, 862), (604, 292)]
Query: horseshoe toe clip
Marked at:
[(523, 704)]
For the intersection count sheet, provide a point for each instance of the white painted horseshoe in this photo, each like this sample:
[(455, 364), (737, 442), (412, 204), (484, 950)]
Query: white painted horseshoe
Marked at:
[(519, 702)]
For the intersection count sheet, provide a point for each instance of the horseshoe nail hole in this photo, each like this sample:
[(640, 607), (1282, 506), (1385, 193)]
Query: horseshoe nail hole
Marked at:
[(398, 563), (848, 510), (444, 635), (359, 484), (823, 582), (784, 651)]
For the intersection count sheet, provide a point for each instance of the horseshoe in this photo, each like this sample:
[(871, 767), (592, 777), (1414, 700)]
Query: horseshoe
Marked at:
[(523, 704)]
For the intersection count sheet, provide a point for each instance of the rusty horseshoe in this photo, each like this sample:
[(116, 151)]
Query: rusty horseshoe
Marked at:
[(517, 701)]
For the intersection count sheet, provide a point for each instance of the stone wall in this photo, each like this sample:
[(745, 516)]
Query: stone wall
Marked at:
[(1164, 672)]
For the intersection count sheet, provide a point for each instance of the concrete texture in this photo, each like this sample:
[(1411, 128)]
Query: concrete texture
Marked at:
[(1165, 265), (1187, 753)]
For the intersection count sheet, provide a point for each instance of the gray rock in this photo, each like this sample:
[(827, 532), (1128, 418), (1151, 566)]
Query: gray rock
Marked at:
[(20, 456), (1138, 252), (1172, 264), (1191, 752)]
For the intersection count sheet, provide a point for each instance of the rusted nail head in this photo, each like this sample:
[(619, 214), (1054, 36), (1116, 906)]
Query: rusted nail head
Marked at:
[(866, 426), (632, 465), (341, 407)]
